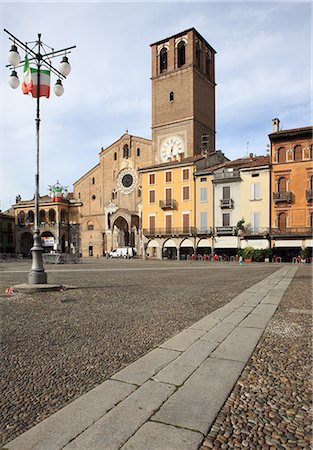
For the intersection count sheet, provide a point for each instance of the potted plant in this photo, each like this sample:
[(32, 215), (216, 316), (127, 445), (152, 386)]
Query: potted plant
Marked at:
[(248, 253)]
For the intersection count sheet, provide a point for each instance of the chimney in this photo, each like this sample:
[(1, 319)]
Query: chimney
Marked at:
[(275, 125)]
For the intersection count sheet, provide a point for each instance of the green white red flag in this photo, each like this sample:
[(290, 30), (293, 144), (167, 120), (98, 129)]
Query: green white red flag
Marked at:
[(30, 83)]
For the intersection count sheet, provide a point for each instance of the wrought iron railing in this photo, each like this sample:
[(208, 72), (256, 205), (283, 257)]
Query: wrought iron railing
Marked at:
[(292, 231), (230, 231), (155, 232), (226, 203), (282, 196), (309, 195), (226, 175), (168, 204)]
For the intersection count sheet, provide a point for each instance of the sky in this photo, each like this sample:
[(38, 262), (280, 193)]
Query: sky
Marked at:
[(263, 71)]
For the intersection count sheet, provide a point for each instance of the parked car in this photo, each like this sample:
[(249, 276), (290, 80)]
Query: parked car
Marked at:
[(123, 252)]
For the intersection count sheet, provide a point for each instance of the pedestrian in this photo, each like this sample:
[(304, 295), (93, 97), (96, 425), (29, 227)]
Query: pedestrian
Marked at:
[(240, 260)]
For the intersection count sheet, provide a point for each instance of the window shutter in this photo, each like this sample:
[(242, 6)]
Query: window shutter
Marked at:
[(252, 191), (257, 190)]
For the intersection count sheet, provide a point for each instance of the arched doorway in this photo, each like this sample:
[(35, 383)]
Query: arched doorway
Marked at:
[(121, 233), (186, 248), (169, 250), (26, 243)]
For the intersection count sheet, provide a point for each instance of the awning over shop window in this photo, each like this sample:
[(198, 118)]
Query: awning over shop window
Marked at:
[(288, 243), (169, 243), (186, 243), (153, 243), (204, 243)]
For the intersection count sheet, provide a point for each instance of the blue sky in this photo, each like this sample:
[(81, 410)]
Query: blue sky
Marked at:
[(263, 70)]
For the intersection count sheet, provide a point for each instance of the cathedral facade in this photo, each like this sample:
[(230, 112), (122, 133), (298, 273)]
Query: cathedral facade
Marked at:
[(183, 125)]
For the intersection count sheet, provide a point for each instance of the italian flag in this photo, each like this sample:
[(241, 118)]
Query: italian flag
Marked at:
[(30, 83)]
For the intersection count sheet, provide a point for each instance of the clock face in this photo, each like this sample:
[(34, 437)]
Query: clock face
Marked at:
[(126, 180), (171, 146)]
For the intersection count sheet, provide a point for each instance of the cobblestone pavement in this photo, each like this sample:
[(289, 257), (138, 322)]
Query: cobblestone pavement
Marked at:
[(269, 407), (57, 346)]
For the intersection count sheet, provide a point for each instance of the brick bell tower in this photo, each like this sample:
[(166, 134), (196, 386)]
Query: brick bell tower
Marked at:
[(183, 96)]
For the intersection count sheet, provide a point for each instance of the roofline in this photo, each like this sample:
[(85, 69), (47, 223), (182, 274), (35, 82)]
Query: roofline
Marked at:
[(182, 33), (120, 138), (292, 131), (87, 173)]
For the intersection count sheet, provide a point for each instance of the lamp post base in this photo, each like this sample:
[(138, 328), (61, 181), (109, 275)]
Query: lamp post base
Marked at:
[(37, 273)]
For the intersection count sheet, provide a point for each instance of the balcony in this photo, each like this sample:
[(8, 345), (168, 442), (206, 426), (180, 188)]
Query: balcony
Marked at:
[(226, 203), (168, 204), (292, 231), (161, 232), (255, 231), (226, 231), (282, 197), (220, 177), (309, 195)]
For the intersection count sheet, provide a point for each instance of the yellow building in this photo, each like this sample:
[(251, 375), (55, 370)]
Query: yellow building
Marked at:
[(172, 226)]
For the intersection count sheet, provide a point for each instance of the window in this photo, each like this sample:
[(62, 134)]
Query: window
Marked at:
[(152, 178), (186, 193), (139, 192), (168, 195), (171, 96), (168, 223), (282, 185), (63, 215), (152, 224), (126, 151), (203, 195), (138, 151), (255, 221), (90, 227), (226, 192), (113, 175), (152, 196), (115, 156), (311, 182), (42, 216), (198, 55), (168, 177), (185, 174), (282, 220), (163, 59), (52, 215), (31, 216), (203, 221), (78, 194), (181, 54), (255, 191), (281, 155), (21, 217), (202, 179), (93, 180), (186, 225), (114, 194), (226, 220), (93, 197), (297, 153)]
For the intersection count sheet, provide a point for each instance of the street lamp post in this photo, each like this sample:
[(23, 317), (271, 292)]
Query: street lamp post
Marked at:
[(32, 84)]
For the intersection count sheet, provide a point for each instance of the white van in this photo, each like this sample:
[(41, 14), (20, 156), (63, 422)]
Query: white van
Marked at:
[(123, 252)]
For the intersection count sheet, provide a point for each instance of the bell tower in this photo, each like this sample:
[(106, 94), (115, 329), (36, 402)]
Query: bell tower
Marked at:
[(183, 96)]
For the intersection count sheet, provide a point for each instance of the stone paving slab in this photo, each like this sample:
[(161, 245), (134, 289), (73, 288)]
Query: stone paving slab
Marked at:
[(206, 324), (255, 321), (60, 428), (158, 436), (237, 316), (182, 367), (219, 333), (144, 368), (195, 405), (239, 345), (116, 427), (183, 340)]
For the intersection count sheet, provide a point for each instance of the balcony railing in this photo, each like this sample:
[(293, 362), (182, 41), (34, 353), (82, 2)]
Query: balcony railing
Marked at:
[(168, 204), (282, 197), (42, 226), (255, 231), (309, 195), (226, 203), (155, 232), (292, 231), (226, 231), (226, 175)]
